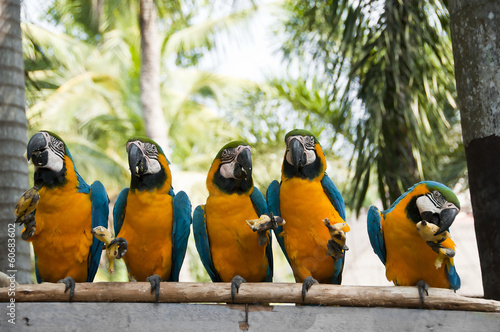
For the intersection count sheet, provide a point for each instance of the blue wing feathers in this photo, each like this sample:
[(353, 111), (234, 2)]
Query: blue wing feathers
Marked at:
[(258, 201), (202, 243), (119, 211), (374, 225), (273, 205), (180, 232), (334, 195), (452, 275), (100, 212)]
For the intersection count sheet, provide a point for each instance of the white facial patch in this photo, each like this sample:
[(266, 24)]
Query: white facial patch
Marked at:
[(308, 145), (424, 203), (54, 162)]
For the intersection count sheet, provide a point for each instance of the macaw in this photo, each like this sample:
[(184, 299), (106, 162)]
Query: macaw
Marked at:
[(409, 258), (67, 210), (228, 248), (308, 200), (151, 218)]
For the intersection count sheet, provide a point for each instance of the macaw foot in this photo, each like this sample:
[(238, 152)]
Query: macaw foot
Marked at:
[(25, 218), (122, 246), (70, 284), (29, 226), (265, 222), (155, 280), (308, 282), (423, 287), (235, 285), (335, 249)]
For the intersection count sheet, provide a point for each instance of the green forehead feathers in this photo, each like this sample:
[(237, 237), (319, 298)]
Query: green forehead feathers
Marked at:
[(233, 144), (301, 132), (147, 140)]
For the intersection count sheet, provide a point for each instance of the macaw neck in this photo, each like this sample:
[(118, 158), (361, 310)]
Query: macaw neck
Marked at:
[(309, 172), (232, 186), (47, 178), (149, 181)]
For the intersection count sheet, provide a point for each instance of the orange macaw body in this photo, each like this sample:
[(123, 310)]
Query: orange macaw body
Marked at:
[(63, 216), (233, 245), (148, 230), (304, 205)]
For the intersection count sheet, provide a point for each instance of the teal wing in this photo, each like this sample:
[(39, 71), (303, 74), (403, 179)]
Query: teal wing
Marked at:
[(100, 211), (334, 195), (339, 268), (259, 203), (452, 275), (374, 225), (273, 206), (180, 232), (119, 211), (202, 243)]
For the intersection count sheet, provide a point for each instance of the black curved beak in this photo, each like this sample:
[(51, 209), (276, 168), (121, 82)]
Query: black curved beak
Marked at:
[(36, 149), (447, 217), (243, 167), (136, 161), (298, 154)]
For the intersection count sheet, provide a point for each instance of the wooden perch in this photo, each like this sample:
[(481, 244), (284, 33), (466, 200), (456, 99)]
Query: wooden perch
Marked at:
[(354, 296)]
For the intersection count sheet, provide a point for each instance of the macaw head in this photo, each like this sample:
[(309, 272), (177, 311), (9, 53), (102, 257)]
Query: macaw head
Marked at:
[(304, 157), (436, 204), (148, 165), (51, 158), (231, 170)]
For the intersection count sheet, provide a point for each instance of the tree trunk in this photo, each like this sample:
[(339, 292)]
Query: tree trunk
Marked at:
[(154, 119), (14, 180), (475, 32)]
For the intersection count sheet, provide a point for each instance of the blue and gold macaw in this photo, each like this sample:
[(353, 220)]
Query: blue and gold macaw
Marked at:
[(410, 259), (308, 200), (67, 211), (154, 221), (228, 248)]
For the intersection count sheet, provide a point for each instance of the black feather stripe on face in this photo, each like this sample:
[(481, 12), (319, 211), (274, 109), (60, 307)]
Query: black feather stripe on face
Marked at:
[(56, 146)]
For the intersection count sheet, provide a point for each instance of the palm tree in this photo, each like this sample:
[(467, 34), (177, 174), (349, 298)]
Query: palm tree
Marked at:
[(389, 71), (154, 120), (14, 253), (474, 31)]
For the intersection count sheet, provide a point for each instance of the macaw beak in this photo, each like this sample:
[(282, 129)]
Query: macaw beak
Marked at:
[(243, 166), (447, 217), (37, 150), (298, 155), (136, 161)]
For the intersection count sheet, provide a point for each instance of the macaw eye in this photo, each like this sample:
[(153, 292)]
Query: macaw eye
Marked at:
[(227, 155), (437, 195), (309, 142), (150, 150), (56, 145)]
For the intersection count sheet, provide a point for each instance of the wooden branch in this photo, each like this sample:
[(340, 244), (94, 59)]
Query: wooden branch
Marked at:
[(354, 296)]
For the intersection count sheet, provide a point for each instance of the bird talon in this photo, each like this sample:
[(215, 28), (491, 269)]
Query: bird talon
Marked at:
[(235, 285), (265, 222), (122, 246), (70, 284), (335, 250), (423, 287), (155, 281), (308, 282)]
